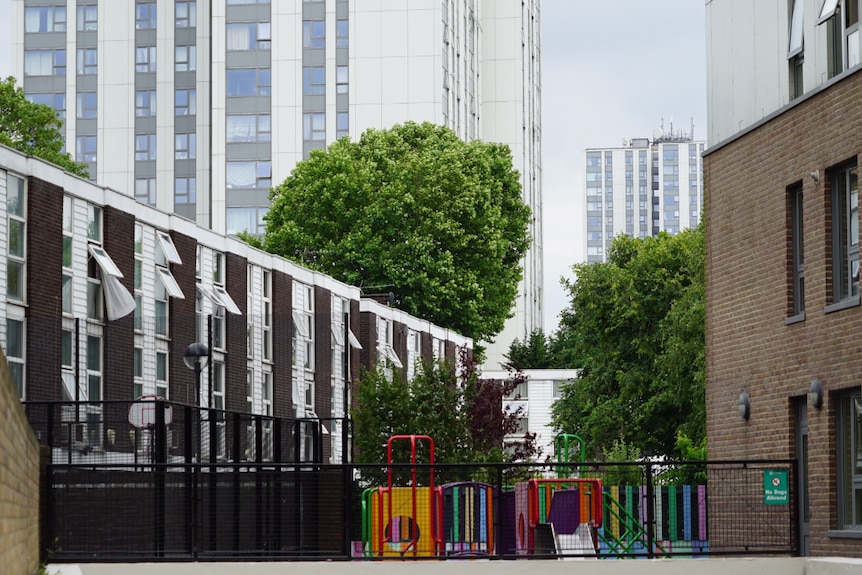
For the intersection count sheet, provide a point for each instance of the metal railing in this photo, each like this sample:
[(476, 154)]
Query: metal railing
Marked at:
[(193, 484)]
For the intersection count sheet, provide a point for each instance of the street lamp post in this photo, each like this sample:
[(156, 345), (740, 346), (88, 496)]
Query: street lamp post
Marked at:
[(195, 358)]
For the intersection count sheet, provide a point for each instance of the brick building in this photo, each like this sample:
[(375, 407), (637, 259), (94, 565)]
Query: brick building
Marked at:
[(783, 301), (104, 295)]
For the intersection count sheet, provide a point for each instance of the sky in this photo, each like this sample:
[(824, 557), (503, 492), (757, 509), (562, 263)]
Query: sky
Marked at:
[(611, 69)]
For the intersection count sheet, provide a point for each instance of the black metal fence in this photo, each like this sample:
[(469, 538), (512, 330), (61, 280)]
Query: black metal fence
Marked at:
[(126, 482)]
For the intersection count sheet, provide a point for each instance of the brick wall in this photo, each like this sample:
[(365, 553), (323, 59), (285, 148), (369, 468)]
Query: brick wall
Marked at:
[(750, 346), (119, 242), (182, 322), (323, 360), (282, 371), (19, 488), (236, 361)]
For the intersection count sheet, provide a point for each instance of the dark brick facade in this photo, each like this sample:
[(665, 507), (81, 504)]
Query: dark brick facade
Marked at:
[(282, 369), (236, 358), (750, 345), (182, 326), (119, 341), (323, 358), (44, 289)]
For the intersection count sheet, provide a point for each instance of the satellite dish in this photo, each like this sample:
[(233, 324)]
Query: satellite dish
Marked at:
[(657, 134)]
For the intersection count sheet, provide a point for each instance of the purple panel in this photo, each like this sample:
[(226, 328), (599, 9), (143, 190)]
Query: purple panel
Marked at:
[(701, 511), (507, 544), (565, 512)]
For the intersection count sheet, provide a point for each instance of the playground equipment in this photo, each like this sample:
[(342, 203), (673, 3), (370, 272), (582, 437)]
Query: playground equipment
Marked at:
[(467, 510)]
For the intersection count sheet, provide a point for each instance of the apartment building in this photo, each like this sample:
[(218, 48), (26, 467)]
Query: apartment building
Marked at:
[(197, 108), (645, 186), (105, 294), (782, 300)]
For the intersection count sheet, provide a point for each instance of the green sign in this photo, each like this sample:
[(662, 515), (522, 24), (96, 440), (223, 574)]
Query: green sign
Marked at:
[(775, 489)]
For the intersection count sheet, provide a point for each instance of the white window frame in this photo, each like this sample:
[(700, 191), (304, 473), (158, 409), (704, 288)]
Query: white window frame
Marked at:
[(16, 218)]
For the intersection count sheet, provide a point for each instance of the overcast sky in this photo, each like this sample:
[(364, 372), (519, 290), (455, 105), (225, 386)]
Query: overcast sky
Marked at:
[(611, 69)]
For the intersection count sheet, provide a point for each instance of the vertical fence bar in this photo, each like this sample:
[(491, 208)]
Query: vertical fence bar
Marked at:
[(191, 485), (159, 463), (650, 510)]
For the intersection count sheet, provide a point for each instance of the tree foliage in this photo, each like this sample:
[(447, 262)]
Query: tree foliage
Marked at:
[(539, 351), (438, 221), (34, 129), (462, 413), (638, 322)]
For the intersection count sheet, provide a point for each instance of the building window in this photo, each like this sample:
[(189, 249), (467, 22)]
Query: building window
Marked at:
[(248, 175), (266, 291), (845, 234), (56, 100), (185, 147), (185, 190), (248, 82), (138, 369), (139, 278), (185, 58), (313, 80), (341, 124), (248, 128), (85, 149), (249, 219), (341, 33), (849, 436), (303, 326), (45, 19), (186, 15), (218, 385), (248, 36), (145, 103), (145, 15), (249, 391), (86, 105), (87, 60), (341, 80), (313, 34), (162, 374), (145, 147), (145, 59), (314, 126), (797, 254), (94, 368), (44, 62), (184, 102), (15, 353), (145, 190), (16, 201), (842, 18), (87, 17)]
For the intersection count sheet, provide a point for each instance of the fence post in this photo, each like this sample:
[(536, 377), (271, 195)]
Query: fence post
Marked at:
[(650, 511), (191, 484), (159, 462)]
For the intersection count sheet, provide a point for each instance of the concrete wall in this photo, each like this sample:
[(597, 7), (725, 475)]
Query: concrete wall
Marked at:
[(737, 566), (19, 483)]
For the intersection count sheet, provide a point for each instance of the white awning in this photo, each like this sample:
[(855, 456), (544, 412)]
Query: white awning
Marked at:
[(171, 285), (104, 260), (337, 334), (118, 301), (223, 298), (354, 341), (388, 352), (830, 7), (795, 45), (299, 323)]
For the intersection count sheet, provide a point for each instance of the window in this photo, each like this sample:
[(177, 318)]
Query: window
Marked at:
[(266, 290), (849, 452), (248, 219), (185, 147), (138, 367), (248, 174), (313, 34), (248, 36), (341, 124), (218, 385), (87, 17), (45, 19), (85, 148), (185, 190), (145, 59), (303, 326), (248, 128), (16, 199), (845, 234), (341, 80), (184, 102), (56, 100), (314, 126), (185, 59), (145, 15), (842, 18), (795, 37), (161, 305), (186, 15), (145, 190), (145, 103), (94, 368), (67, 256), (87, 61), (86, 105), (797, 253), (145, 147), (248, 82), (162, 374), (139, 277), (44, 62), (341, 33), (313, 80)]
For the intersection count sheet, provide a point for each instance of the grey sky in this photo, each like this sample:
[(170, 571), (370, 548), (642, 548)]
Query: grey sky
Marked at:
[(611, 69)]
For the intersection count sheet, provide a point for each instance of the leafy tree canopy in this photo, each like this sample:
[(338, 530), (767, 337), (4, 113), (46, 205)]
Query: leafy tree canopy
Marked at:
[(637, 321), (462, 413), (34, 129), (539, 351), (438, 221)]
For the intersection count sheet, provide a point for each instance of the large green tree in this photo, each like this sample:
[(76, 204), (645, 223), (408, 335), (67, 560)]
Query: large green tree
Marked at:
[(413, 210), (34, 129), (538, 351), (638, 321)]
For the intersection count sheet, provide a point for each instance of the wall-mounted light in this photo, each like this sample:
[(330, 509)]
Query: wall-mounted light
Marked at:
[(815, 175), (744, 405), (815, 394)]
